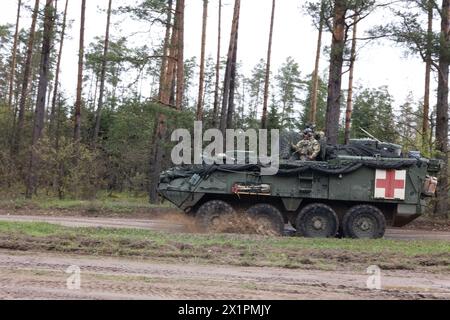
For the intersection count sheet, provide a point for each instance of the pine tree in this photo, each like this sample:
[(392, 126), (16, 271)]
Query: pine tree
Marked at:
[(442, 110), (428, 65), (373, 107), (57, 71), (201, 84), (290, 83), (315, 86), (348, 113), (335, 77), (180, 57), (41, 96), (268, 62), (14, 57), (228, 93), (79, 97), (103, 75), (166, 53), (215, 121), (25, 81)]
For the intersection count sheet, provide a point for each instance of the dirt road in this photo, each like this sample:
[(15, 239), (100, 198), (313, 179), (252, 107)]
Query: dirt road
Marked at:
[(178, 225), (43, 276)]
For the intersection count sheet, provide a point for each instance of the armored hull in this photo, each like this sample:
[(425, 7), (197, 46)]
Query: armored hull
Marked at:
[(350, 196)]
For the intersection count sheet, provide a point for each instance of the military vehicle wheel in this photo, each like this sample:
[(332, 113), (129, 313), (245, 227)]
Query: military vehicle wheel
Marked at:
[(210, 214), (317, 221), (267, 219), (364, 222)]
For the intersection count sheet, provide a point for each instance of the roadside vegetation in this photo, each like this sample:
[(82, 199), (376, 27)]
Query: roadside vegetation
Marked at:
[(105, 204), (227, 249)]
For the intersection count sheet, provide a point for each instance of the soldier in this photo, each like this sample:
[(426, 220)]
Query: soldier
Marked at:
[(309, 148)]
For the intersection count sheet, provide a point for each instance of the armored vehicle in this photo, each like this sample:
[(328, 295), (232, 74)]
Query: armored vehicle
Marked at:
[(351, 191)]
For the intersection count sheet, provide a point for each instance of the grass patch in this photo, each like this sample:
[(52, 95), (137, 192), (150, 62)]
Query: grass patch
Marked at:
[(117, 203), (241, 250)]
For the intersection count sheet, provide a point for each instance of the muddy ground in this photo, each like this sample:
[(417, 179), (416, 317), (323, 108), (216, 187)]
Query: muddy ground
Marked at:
[(43, 276)]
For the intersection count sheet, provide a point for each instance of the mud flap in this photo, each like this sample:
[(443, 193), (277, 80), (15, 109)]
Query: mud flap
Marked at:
[(291, 204), (406, 214)]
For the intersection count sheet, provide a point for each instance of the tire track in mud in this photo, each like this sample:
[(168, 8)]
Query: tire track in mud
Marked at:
[(39, 276), (180, 223)]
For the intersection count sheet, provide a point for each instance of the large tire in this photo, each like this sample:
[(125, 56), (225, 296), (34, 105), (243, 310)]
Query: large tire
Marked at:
[(209, 214), (267, 219), (317, 221), (364, 222)]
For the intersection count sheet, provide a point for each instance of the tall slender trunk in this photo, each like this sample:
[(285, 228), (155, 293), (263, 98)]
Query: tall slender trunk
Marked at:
[(215, 121), (201, 84), (41, 96), (231, 102), (315, 79), (166, 52), (267, 80), (442, 110), (78, 102), (180, 56), (59, 180), (14, 57), (157, 156), (102, 76), (335, 77), (57, 71), (348, 113), (228, 70), (167, 96), (25, 82), (426, 100)]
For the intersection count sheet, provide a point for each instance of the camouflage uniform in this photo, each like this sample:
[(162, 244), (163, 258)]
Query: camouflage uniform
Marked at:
[(308, 149)]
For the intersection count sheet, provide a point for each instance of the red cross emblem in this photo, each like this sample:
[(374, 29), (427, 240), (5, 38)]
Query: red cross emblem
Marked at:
[(390, 184)]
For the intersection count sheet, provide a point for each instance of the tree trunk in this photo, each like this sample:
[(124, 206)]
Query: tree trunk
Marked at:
[(267, 80), (180, 56), (102, 76), (57, 72), (348, 113), (216, 89), (426, 101), (41, 96), (229, 71), (25, 82), (157, 156), (231, 103), (315, 79), (60, 170), (167, 96), (14, 58), (166, 52), (442, 111), (201, 84), (335, 76), (78, 102)]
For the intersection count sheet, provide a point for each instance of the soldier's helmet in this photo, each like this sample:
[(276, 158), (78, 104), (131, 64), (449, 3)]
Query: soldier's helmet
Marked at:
[(308, 132)]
